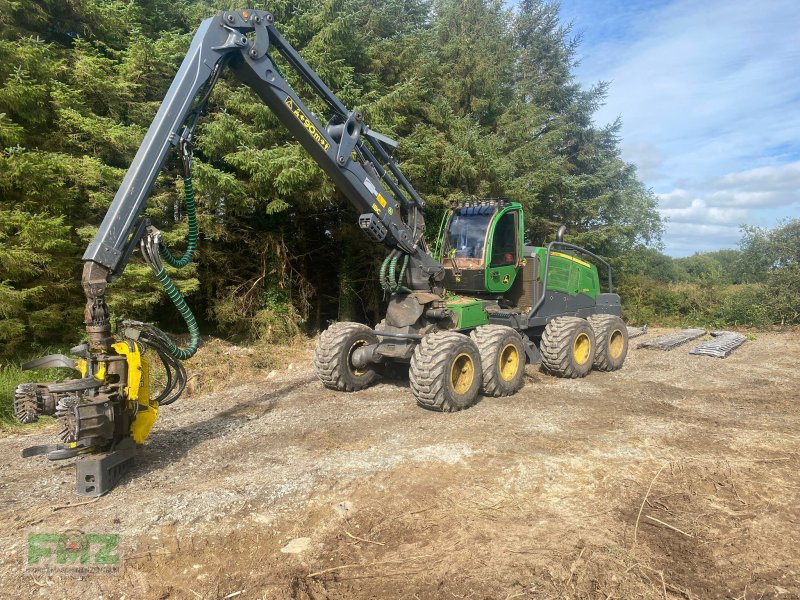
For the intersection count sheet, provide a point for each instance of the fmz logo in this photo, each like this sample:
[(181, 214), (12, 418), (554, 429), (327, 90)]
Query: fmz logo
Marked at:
[(73, 551)]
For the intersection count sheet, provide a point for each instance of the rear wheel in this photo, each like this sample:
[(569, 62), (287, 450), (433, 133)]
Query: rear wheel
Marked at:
[(568, 347), (445, 372), (502, 357), (333, 357), (611, 335)]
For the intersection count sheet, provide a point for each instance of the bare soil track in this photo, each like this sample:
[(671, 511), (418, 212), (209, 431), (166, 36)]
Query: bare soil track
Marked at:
[(676, 477)]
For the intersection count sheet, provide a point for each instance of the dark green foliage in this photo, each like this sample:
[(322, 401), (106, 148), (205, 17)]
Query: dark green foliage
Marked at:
[(757, 285), (480, 95)]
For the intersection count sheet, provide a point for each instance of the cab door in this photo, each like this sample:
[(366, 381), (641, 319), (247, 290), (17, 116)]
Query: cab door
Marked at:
[(504, 250)]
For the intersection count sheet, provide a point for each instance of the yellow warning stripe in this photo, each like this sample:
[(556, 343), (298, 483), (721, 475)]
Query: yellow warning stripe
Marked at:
[(583, 263)]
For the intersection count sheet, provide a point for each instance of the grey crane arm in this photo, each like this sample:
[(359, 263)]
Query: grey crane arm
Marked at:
[(351, 154)]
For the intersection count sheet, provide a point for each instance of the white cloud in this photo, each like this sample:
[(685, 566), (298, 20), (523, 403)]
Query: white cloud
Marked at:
[(708, 94), (732, 198), (688, 238), (698, 212), (710, 213), (677, 198), (773, 178)]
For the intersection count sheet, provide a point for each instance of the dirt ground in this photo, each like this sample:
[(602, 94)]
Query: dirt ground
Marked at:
[(676, 477)]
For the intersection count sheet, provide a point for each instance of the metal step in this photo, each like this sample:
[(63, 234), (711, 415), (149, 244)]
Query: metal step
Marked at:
[(636, 331), (672, 340), (722, 345)]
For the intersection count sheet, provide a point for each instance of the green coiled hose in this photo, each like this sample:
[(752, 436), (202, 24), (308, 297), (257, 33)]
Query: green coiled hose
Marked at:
[(388, 274), (188, 317), (191, 238), (382, 275), (392, 272)]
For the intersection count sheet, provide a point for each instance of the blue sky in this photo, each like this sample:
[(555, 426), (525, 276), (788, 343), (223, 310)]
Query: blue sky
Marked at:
[(709, 95)]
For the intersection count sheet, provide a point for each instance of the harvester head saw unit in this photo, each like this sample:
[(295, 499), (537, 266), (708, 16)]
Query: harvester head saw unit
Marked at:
[(105, 410)]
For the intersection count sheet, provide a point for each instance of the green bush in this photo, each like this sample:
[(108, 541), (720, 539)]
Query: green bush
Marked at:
[(744, 305), (656, 303)]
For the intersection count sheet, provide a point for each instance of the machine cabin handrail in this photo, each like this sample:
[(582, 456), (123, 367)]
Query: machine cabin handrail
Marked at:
[(575, 248)]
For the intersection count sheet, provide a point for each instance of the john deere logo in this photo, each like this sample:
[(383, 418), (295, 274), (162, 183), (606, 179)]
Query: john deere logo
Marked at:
[(506, 279), (73, 551)]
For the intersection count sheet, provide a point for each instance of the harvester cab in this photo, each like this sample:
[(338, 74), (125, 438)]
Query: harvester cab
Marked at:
[(481, 247)]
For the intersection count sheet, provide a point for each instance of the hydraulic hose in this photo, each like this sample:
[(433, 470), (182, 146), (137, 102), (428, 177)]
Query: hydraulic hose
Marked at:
[(391, 282), (385, 285), (186, 312), (191, 238), (392, 272), (150, 245), (399, 285)]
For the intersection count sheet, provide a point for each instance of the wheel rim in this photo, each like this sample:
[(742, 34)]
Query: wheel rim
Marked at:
[(581, 348), (353, 369), (616, 343), (509, 362), (462, 373)]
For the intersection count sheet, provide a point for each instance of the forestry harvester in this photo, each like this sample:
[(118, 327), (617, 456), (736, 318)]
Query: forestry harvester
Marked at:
[(465, 316)]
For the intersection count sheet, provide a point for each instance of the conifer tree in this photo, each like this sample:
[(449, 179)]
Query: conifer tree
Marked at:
[(480, 95)]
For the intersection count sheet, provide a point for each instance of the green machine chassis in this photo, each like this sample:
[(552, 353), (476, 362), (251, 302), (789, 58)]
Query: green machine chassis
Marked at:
[(544, 281)]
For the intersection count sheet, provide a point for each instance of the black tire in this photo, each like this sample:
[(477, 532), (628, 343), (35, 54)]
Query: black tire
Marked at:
[(568, 347), (446, 372), (332, 357), (611, 336), (502, 357)]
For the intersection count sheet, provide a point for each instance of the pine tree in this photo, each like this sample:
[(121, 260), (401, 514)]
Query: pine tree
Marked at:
[(481, 96)]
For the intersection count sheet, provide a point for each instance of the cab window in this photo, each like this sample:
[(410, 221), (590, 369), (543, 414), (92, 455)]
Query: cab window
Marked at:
[(504, 243), (467, 231)]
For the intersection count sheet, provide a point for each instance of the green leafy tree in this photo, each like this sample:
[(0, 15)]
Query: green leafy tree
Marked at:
[(773, 256)]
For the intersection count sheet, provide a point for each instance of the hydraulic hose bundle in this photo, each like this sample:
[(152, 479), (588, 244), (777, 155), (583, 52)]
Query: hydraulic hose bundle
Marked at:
[(153, 250), (191, 238), (153, 337), (390, 282)]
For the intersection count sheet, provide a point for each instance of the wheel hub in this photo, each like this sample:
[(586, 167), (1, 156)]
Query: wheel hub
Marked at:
[(462, 373), (509, 362), (581, 348), (359, 370), (616, 343)]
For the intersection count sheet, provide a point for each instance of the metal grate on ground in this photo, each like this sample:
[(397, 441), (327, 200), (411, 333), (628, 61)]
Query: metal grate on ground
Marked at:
[(672, 340), (721, 346), (636, 331)]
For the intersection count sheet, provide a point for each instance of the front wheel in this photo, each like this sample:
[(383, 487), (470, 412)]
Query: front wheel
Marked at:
[(446, 372), (502, 357), (333, 357)]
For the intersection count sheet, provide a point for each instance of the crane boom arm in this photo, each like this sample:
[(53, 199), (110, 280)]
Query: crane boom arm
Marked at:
[(349, 152)]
